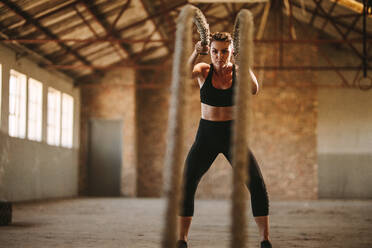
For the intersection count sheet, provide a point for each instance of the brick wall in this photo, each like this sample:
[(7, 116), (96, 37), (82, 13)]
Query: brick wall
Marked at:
[(113, 98), (152, 96), (283, 141), (284, 129)]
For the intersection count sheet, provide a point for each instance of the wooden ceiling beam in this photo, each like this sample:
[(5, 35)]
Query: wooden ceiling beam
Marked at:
[(98, 17), (28, 18), (148, 40), (122, 10), (39, 17), (94, 31), (90, 55), (329, 13), (155, 15), (93, 78), (335, 25), (352, 25), (58, 55), (28, 49), (335, 20), (171, 24), (313, 16), (61, 25), (159, 27), (230, 12)]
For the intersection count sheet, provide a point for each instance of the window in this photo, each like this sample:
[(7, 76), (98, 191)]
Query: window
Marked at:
[(17, 104), (54, 117), (35, 109), (67, 120)]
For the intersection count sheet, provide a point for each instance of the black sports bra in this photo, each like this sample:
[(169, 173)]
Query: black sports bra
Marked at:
[(217, 97)]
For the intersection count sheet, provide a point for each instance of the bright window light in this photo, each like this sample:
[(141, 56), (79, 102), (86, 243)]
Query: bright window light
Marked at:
[(67, 120), (54, 117), (17, 104), (35, 109)]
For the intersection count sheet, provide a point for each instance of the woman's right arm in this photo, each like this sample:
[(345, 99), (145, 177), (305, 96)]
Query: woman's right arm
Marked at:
[(195, 54), (192, 59)]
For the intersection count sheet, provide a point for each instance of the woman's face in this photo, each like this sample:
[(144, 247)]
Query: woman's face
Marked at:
[(220, 53)]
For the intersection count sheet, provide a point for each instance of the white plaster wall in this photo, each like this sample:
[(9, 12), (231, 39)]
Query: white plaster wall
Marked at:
[(33, 170), (345, 143)]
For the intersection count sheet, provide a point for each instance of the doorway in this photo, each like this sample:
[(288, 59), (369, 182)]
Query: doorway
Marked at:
[(104, 157)]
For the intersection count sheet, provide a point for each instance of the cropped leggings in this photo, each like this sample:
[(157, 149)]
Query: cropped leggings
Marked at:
[(212, 138)]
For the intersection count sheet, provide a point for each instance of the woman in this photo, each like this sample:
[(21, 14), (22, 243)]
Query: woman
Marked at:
[(216, 83)]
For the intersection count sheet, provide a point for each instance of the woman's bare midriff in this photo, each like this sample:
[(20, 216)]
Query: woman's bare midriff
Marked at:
[(213, 113)]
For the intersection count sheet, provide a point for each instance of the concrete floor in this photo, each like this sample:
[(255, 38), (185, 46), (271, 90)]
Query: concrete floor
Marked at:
[(124, 222)]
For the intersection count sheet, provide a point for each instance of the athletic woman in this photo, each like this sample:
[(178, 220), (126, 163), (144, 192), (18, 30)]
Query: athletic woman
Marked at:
[(216, 81)]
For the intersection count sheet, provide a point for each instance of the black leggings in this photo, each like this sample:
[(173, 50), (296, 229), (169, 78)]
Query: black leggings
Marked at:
[(212, 138)]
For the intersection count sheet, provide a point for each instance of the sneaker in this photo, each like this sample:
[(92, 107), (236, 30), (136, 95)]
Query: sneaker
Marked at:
[(266, 244), (181, 244)]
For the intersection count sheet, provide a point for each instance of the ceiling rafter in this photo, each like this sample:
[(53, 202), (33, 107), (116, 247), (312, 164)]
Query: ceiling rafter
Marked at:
[(233, 6), (90, 54), (318, 4), (159, 27), (329, 13), (33, 51), (335, 20), (66, 30), (98, 17), (40, 17), (171, 22), (152, 16), (126, 63), (85, 21), (58, 55), (229, 11), (149, 39), (291, 28), (163, 14), (17, 10), (93, 31), (352, 25), (337, 69), (122, 10), (131, 26), (314, 14)]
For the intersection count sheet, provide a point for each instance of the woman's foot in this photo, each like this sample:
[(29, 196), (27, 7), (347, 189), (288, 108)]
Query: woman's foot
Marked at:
[(181, 244), (266, 244)]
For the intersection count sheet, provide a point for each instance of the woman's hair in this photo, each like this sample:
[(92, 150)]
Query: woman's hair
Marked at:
[(221, 36)]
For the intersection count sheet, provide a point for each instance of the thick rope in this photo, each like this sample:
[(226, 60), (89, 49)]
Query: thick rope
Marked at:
[(202, 27), (243, 47), (181, 77)]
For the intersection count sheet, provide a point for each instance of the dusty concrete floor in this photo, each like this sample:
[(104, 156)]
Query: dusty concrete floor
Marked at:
[(123, 222)]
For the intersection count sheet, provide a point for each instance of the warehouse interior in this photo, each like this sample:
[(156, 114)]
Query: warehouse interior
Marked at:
[(85, 89)]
